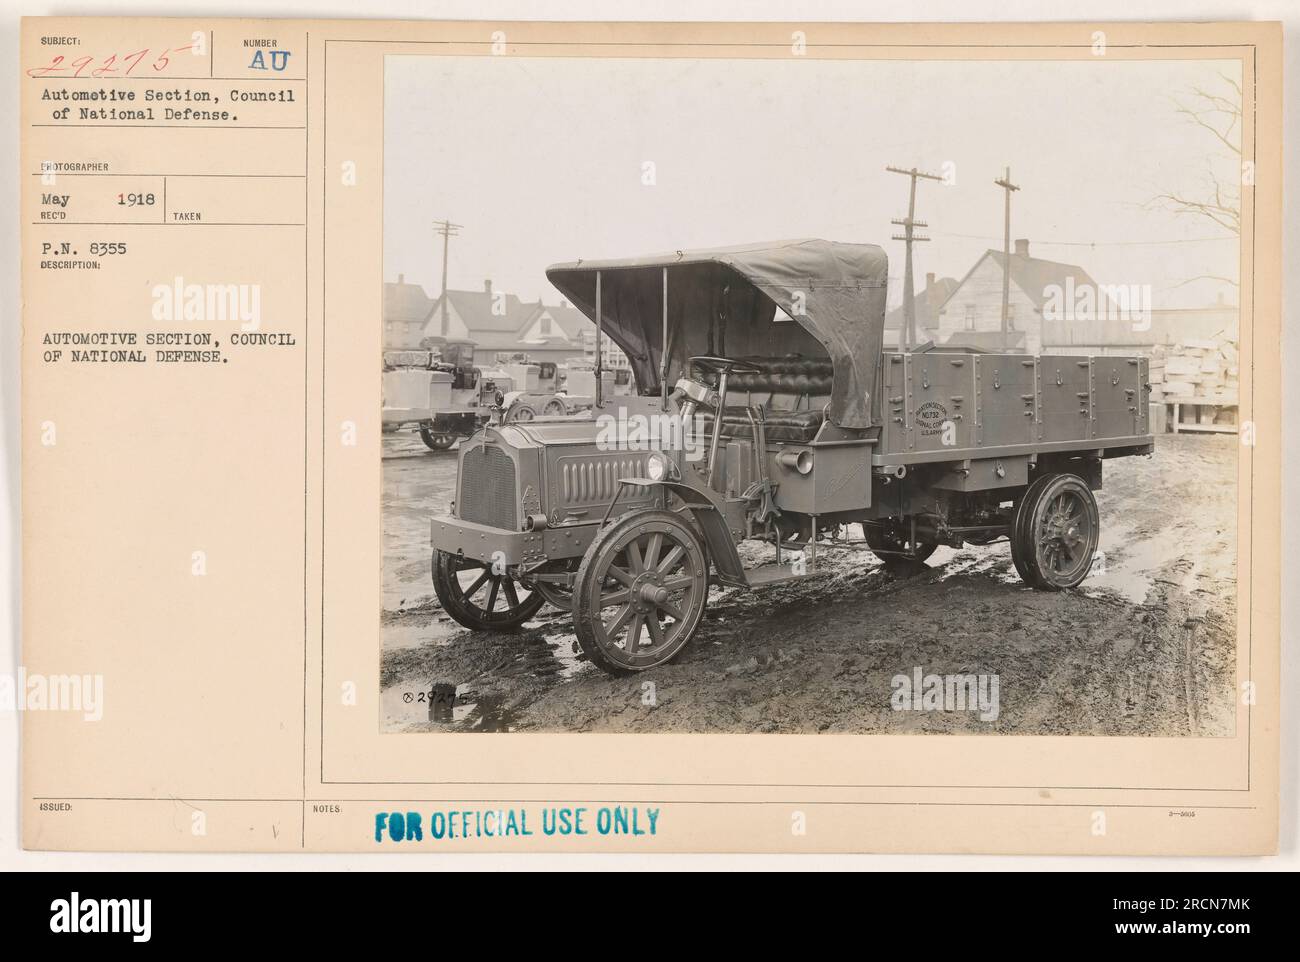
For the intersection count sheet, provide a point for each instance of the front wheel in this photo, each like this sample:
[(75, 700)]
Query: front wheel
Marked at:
[(478, 597), (521, 412), (640, 591), (1055, 531)]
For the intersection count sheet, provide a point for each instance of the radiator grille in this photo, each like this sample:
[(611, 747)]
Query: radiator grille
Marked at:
[(488, 489), (593, 479)]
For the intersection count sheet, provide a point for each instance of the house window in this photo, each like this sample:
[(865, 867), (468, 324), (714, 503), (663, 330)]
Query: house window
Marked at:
[(970, 317), (544, 327)]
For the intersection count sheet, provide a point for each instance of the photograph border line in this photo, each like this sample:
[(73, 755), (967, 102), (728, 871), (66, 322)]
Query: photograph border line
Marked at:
[(1254, 106)]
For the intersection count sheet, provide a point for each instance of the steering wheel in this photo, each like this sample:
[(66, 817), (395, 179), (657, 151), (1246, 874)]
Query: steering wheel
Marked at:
[(699, 394)]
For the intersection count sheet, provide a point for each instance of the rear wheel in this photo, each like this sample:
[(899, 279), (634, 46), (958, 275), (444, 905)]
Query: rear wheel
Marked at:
[(480, 598), (438, 442), (1018, 557), (555, 407), (1055, 532), (889, 543), (640, 592)]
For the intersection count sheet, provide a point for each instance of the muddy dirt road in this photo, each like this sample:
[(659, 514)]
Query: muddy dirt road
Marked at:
[(1146, 646)]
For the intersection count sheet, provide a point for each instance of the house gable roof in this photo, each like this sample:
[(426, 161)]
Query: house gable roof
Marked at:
[(1033, 275), (571, 321), (506, 331), (474, 308), (927, 304), (405, 302)]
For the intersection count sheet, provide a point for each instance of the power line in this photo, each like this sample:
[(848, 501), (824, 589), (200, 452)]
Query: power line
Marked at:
[(1146, 243), (448, 230), (1007, 189), (909, 238), (858, 226)]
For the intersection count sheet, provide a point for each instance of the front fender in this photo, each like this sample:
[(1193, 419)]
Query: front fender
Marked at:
[(706, 509)]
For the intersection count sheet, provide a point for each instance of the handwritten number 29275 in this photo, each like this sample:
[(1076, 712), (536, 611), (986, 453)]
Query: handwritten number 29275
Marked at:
[(109, 66)]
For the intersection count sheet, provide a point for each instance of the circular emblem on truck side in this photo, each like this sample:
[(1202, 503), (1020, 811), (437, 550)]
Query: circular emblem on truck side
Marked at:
[(931, 414)]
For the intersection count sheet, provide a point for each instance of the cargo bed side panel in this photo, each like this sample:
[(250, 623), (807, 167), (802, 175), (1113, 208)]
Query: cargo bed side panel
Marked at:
[(1065, 397), (1005, 399)]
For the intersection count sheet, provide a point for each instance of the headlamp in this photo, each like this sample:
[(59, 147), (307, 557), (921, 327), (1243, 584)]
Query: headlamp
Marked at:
[(658, 467)]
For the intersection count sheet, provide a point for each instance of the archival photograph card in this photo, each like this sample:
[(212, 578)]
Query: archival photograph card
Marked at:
[(579, 437)]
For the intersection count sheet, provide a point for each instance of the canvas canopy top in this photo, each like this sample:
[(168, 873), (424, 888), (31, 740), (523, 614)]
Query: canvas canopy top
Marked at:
[(723, 302)]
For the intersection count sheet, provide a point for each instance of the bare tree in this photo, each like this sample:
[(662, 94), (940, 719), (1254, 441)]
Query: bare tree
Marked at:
[(1219, 114), (1219, 199)]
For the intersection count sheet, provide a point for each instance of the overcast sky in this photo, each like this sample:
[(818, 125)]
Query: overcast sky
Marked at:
[(541, 160)]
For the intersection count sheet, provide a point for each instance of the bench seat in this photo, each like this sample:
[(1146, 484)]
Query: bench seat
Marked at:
[(792, 391), (799, 427)]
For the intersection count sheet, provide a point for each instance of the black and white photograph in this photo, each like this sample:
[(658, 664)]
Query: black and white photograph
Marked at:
[(803, 396)]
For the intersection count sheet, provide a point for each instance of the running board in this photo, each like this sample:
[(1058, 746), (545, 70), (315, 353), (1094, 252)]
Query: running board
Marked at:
[(778, 574)]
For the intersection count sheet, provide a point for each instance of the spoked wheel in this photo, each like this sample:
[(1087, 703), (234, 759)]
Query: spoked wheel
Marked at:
[(889, 543), (555, 408), (438, 442), (640, 592), (521, 412), (557, 595), (479, 598), (1055, 532)]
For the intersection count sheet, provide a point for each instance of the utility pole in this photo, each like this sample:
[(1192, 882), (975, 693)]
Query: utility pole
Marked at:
[(448, 230), (1007, 188), (909, 237)]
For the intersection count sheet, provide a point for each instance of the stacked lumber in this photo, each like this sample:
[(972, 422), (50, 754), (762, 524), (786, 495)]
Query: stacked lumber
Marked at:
[(1196, 372)]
